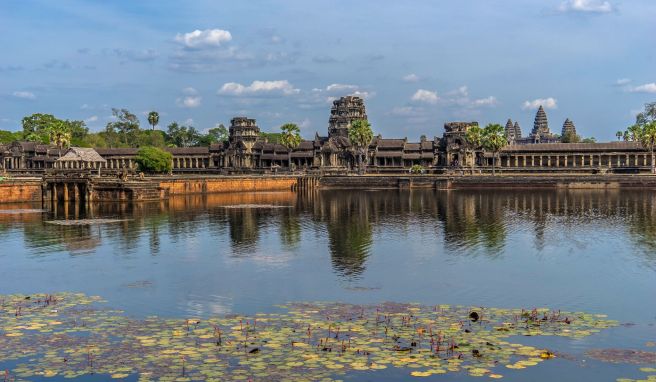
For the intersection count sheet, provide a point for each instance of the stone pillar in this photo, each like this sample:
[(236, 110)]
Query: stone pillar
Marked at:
[(76, 192), (65, 192)]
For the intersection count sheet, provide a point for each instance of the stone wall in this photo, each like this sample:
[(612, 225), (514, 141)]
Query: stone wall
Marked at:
[(20, 190), (184, 186)]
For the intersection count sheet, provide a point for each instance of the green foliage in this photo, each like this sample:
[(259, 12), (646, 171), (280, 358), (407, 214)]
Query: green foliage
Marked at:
[(644, 131), (10, 136), (570, 137), (271, 137), (153, 119), (360, 135), (494, 139), (59, 134), (474, 136), (181, 135), (290, 135), (417, 169), (218, 134), (154, 160), (37, 128), (124, 131), (589, 140)]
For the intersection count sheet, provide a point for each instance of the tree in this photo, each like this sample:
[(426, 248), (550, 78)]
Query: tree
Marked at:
[(218, 134), (153, 119), (9, 136), (181, 135), (645, 131), (474, 136), (494, 140), (290, 137), (360, 135), (589, 140), (619, 135), (271, 137), (570, 137), (125, 129), (35, 127), (59, 134), (154, 160)]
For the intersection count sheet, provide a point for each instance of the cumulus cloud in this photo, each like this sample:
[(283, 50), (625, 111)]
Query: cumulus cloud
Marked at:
[(547, 103), (190, 100), (425, 96), (411, 78), (586, 6), (93, 118), (259, 87), (204, 38), (646, 88), (24, 94), (406, 111), (363, 94), (622, 82)]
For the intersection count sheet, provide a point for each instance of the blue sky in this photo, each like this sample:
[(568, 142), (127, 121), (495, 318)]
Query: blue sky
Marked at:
[(417, 63)]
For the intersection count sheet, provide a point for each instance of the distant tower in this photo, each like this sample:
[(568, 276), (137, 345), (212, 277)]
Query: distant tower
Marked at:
[(568, 128), (244, 130), (510, 130), (541, 125), (518, 131), (344, 111)]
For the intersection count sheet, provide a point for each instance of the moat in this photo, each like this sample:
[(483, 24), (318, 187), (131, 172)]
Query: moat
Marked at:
[(220, 254)]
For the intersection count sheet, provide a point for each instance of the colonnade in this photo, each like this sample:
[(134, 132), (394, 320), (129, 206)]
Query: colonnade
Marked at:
[(573, 160)]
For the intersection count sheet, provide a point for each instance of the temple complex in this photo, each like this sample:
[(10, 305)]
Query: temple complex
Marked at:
[(247, 151)]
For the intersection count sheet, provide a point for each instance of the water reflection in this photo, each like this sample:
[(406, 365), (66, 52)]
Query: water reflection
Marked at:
[(467, 223)]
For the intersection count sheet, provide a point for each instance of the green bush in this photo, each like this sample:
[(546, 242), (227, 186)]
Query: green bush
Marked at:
[(154, 160), (417, 169)]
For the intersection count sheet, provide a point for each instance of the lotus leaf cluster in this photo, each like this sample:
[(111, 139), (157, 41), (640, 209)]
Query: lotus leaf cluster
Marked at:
[(69, 335)]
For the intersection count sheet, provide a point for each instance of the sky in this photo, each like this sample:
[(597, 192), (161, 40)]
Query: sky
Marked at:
[(418, 64)]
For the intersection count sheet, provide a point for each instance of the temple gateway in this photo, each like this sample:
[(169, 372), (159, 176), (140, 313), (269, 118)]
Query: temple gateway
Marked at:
[(246, 151)]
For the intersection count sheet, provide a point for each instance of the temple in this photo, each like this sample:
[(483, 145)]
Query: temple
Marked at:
[(247, 151)]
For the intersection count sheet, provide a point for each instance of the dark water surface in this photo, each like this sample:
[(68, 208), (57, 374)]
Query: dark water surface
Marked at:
[(592, 251)]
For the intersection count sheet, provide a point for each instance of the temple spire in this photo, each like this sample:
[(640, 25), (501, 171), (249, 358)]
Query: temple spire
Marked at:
[(541, 124)]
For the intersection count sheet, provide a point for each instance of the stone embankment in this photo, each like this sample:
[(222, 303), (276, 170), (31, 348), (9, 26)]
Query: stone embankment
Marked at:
[(162, 187)]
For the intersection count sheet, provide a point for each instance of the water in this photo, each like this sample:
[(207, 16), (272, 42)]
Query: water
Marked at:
[(200, 256)]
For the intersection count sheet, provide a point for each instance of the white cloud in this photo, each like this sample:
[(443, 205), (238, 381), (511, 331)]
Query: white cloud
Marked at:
[(547, 103), (189, 122), (586, 6), (341, 87), (204, 38), (489, 101), (406, 111), (462, 91), (259, 87), (305, 124), (646, 88), (23, 94), (622, 82), (190, 100), (425, 96), (93, 118), (363, 94), (411, 78)]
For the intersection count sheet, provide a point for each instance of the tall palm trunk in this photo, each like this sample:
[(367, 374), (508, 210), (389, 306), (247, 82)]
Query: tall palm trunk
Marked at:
[(653, 165)]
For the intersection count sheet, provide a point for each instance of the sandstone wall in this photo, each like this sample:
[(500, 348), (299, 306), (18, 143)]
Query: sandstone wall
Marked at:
[(14, 191), (227, 184)]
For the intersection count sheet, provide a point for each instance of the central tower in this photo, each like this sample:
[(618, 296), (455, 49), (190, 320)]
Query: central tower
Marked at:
[(344, 111)]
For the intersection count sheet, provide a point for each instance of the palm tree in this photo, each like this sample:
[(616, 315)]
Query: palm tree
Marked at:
[(59, 133), (647, 139), (290, 137), (153, 119), (474, 137), (619, 135), (494, 140), (360, 135)]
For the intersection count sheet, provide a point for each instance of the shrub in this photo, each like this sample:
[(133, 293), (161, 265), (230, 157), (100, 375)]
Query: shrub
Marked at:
[(417, 169), (154, 160)]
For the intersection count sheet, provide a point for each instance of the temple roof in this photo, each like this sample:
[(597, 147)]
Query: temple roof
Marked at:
[(390, 143), (202, 150), (81, 154), (117, 151)]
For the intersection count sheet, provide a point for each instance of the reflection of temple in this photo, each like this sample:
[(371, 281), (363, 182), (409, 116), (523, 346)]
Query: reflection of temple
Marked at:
[(248, 151)]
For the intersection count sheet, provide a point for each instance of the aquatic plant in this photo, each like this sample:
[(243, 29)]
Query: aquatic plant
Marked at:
[(70, 335)]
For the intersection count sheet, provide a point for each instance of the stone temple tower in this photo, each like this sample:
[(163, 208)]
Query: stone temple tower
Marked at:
[(344, 111), (518, 130), (541, 125), (568, 128), (245, 131)]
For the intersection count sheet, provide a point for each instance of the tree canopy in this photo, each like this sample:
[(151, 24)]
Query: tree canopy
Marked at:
[(360, 135), (154, 160)]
